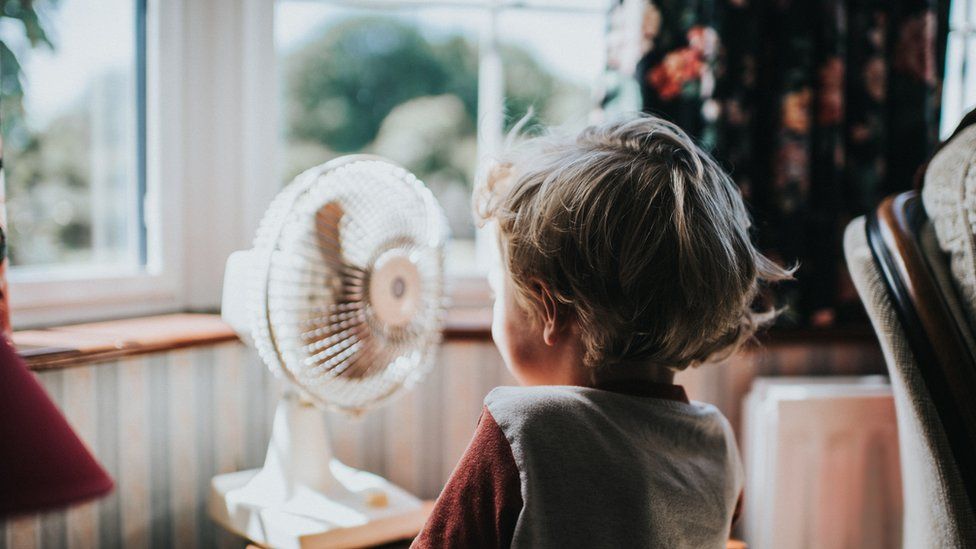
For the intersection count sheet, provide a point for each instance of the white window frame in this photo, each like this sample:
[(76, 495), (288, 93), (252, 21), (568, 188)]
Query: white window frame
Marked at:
[(959, 85), (40, 296), (212, 139), (210, 168)]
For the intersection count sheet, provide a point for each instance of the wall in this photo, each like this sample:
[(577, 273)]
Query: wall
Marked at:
[(164, 424)]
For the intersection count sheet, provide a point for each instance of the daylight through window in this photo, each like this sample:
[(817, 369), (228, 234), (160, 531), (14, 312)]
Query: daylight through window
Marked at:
[(959, 93), (410, 83), (73, 137)]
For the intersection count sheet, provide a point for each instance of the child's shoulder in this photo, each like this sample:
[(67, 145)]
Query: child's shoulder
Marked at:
[(533, 419), (531, 403), (570, 409), (547, 400)]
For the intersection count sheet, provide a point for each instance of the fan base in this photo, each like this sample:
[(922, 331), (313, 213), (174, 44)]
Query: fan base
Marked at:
[(311, 520)]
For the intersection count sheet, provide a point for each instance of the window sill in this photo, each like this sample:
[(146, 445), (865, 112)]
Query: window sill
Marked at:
[(81, 344)]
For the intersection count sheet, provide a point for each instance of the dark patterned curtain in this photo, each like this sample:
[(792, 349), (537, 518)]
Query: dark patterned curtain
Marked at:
[(818, 109)]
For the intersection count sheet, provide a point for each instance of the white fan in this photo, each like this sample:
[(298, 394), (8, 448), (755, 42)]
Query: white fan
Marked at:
[(342, 295)]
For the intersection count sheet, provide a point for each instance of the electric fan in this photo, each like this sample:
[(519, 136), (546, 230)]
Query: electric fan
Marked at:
[(342, 296)]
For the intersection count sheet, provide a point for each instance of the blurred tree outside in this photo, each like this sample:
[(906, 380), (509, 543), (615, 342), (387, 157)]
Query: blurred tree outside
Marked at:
[(22, 31), (21, 15), (384, 86), (50, 174), (52, 168), (366, 84)]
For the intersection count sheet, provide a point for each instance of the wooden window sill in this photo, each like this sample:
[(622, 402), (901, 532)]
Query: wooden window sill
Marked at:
[(81, 344)]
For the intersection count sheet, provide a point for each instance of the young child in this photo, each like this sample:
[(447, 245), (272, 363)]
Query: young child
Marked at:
[(626, 258)]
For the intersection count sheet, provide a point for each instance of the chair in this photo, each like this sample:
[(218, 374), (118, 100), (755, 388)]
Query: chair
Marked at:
[(911, 274)]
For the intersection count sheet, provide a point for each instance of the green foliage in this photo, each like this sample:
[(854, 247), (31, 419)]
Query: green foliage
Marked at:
[(26, 13), (380, 85), (341, 86), (527, 85), (11, 90), (44, 170), (367, 84), (11, 72)]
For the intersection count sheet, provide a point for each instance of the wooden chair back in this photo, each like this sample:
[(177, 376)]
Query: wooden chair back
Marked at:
[(936, 336)]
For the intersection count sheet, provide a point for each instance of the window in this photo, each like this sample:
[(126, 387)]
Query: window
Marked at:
[(154, 133), (94, 207), (431, 86), (959, 93), (74, 142), (553, 61)]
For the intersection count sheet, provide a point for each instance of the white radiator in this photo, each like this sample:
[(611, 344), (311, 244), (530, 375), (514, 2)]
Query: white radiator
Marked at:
[(821, 459)]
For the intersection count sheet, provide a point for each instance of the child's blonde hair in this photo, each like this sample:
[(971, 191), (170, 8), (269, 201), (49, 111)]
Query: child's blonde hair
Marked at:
[(636, 231)]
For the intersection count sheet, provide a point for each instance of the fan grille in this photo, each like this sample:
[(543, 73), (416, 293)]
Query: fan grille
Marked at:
[(327, 237)]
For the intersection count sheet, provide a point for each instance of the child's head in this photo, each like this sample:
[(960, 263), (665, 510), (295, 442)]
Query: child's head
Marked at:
[(626, 244)]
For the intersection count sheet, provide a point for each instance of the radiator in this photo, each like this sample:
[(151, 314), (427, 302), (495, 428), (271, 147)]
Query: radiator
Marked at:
[(821, 460)]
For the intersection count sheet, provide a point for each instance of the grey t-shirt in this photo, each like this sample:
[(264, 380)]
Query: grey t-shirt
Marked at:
[(605, 469)]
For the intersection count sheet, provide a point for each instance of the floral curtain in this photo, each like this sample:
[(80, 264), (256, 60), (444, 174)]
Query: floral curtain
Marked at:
[(818, 109)]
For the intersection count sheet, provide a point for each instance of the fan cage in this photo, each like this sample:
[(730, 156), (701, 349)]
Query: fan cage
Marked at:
[(312, 320)]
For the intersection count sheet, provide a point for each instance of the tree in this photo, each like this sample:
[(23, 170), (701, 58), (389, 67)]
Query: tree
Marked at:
[(11, 72), (380, 85), (342, 85)]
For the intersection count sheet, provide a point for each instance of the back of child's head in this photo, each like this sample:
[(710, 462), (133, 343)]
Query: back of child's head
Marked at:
[(638, 233)]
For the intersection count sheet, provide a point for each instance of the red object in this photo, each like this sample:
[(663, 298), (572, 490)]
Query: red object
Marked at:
[(43, 463)]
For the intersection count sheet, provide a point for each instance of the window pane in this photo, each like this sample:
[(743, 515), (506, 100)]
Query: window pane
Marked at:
[(959, 86), (552, 61), (400, 83), (71, 154)]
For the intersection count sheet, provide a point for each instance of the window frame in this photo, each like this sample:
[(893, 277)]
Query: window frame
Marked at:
[(958, 95), (61, 294)]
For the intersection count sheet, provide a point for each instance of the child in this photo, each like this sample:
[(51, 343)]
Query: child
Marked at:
[(626, 258)]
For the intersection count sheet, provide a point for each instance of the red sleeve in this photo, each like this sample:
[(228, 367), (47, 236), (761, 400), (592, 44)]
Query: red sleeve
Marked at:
[(736, 515), (482, 500), (738, 509)]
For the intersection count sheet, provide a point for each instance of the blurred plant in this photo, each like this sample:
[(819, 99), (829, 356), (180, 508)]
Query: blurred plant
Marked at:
[(24, 14), (342, 85), (47, 168), (376, 84)]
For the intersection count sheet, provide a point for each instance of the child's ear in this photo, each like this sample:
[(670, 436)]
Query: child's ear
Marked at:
[(552, 316)]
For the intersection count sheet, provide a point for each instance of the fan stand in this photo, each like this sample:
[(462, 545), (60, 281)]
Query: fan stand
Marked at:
[(303, 497)]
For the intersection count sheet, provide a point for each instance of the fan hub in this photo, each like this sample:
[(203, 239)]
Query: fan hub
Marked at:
[(395, 288)]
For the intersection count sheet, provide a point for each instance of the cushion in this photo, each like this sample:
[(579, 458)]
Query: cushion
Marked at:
[(949, 196), (936, 509)]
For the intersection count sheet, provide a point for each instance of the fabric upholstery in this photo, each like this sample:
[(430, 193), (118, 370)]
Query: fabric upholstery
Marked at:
[(936, 512), (949, 196)]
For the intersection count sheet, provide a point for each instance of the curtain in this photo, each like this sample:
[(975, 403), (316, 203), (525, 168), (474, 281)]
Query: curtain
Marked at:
[(818, 109)]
